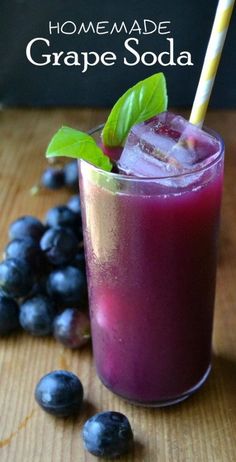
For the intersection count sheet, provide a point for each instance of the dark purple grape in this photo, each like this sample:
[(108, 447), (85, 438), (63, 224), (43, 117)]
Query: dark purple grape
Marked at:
[(67, 286), (108, 434), (61, 215), (74, 204), (60, 393), (72, 328), (71, 175), (59, 245), (37, 315), (16, 278), (9, 315), (53, 178), (26, 226), (27, 249)]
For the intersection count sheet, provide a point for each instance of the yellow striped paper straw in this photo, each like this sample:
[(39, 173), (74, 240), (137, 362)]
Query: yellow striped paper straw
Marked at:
[(211, 61)]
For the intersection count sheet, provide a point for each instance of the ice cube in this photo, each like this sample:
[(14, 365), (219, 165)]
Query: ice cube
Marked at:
[(166, 145), (196, 144)]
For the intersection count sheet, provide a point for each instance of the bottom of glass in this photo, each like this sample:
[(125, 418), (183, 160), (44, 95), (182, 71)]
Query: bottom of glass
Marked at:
[(170, 401)]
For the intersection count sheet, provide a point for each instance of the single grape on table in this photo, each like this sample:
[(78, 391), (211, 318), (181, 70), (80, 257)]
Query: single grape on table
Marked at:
[(16, 278), (37, 315), (61, 215), (59, 245), (53, 178), (27, 248), (67, 286), (108, 434), (26, 226), (72, 328), (60, 393)]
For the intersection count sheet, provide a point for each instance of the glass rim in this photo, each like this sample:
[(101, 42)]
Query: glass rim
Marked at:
[(120, 176)]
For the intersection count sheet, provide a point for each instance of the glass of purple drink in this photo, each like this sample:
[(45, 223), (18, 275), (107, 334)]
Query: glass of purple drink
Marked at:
[(151, 246)]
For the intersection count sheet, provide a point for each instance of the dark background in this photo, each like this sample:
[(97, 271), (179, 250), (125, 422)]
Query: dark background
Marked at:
[(22, 84)]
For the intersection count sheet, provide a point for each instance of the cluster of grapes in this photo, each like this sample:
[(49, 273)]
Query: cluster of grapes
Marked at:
[(43, 285)]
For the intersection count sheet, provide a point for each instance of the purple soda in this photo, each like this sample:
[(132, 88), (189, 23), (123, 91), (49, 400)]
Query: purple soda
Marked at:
[(151, 246)]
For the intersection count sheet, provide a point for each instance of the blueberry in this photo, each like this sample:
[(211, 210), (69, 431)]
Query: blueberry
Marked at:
[(27, 249), (74, 204), (16, 278), (60, 393), (26, 226), (37, 315), (108, 434), (59, 245), (53, 178), (61, 215), (9, 315), (71, 174), (67, 286), (72, 328)]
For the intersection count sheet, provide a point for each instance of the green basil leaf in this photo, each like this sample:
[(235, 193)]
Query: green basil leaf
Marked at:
[(69, 142), (141, 102)]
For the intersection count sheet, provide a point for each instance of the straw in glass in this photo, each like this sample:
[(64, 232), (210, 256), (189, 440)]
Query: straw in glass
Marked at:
[(211, 61)]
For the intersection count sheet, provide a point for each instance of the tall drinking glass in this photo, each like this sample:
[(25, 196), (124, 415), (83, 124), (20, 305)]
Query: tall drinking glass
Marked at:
[(151, 249)]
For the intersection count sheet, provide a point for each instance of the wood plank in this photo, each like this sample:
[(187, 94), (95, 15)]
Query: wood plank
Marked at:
[(202, 429)]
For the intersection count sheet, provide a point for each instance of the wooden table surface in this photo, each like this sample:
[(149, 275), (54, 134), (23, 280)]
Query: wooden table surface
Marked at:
[(201, 429)]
